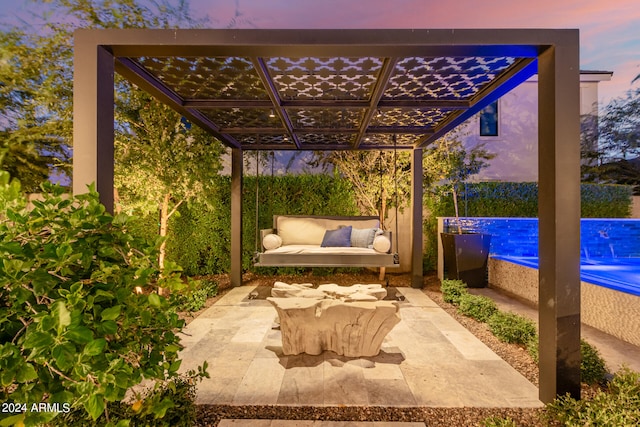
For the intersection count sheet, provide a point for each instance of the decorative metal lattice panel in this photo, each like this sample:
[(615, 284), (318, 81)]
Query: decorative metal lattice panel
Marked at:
[(445, 78), (409, 117), (208, 78), (324, 78), (403, 140), (327, 139), (243, 118), (326, 118), (256, 140)]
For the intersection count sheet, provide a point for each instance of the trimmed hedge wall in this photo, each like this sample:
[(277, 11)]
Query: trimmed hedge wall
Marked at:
[(200, 239), (520, 199)]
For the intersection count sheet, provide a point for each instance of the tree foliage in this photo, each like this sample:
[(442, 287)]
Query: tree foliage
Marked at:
[(72, 329), (36, 75), (35, 104), (380, 180), (448, 162), (611, 148)]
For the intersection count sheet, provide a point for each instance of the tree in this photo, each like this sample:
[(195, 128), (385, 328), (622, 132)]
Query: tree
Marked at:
[(35, 104), (448, 162), (36, 77), (610, 150), (38, 105), (162, 161), (380, 180), (619, 128)]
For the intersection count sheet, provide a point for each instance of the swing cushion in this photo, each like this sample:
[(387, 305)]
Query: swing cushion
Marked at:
[(271, 241), (340, 238)]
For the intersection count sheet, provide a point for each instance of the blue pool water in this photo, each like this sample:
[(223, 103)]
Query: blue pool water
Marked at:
[(610, 248), (615, 273)]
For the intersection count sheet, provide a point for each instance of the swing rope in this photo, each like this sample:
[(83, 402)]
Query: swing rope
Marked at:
[(257, 200), (395, 181)]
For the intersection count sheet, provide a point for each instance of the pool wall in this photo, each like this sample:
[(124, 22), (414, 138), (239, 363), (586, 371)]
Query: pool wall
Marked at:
[(614, 312)]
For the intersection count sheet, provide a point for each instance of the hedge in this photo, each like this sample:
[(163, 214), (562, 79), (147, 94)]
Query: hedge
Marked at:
[(200, 236)]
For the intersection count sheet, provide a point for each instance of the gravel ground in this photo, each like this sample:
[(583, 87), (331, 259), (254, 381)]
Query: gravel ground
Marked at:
[(210, 415)]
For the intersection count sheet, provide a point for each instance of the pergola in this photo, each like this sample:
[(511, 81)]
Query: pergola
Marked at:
[(356, 90)]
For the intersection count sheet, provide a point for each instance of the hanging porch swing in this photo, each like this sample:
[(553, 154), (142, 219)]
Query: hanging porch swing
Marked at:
[(327, 241)]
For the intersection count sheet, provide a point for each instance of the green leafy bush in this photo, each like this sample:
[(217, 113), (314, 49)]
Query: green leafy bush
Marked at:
[(618, 405), (174, 400), (72, 329), (452, 290), (511, 327), (499, 422), (477, 307), (195, 295), (592, 366)]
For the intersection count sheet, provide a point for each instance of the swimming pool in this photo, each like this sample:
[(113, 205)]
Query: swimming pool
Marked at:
[(620, 274), (609, 248)]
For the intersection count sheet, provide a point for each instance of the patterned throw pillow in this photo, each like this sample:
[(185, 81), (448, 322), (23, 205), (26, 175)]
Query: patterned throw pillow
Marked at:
[(362, 237), (337, 238)]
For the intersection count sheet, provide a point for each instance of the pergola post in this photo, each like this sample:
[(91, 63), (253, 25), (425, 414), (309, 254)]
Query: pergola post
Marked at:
[(93, 118), (559, 218), (236, 217), (417, 279)]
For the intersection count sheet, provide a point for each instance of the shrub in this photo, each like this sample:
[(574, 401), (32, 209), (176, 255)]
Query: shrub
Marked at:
[(72, 329), (511, 327), (195, 295), (452, 290), (478, 307), (175, 400), (498, 422), (592, 365), (618, 405)]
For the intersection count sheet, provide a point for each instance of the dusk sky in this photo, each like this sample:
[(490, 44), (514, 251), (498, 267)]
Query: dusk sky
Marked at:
[(609, 29)]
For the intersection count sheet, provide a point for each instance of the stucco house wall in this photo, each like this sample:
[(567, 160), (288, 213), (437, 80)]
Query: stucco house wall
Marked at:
[(516, 145)]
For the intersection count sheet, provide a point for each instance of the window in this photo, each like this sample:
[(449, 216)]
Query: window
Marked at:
[(489, 120)]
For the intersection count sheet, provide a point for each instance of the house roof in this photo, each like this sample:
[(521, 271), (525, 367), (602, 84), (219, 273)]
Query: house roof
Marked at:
[(323, 90)]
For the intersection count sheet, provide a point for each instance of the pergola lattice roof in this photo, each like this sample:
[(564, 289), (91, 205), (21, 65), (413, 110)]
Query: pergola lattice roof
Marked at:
[(328, 94)]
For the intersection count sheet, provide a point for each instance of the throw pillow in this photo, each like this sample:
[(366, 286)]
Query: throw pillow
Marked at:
[(362, 237), (382, 244), (271, 241), (337, 238)]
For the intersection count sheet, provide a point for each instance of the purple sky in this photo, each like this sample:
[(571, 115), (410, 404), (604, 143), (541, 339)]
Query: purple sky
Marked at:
[(609, 29)]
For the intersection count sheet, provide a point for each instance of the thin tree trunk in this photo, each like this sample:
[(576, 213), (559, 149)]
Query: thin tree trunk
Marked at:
[(164, 220), (455, 208)]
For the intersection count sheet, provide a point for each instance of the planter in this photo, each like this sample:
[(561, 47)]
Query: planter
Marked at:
[(465, 257)]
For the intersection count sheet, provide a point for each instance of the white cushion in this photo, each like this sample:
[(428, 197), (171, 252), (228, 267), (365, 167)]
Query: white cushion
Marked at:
[(271, 241), (381, 244), (300, 231)]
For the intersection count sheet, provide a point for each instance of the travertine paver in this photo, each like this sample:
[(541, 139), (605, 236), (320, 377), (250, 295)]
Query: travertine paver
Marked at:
[(427, 359)]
